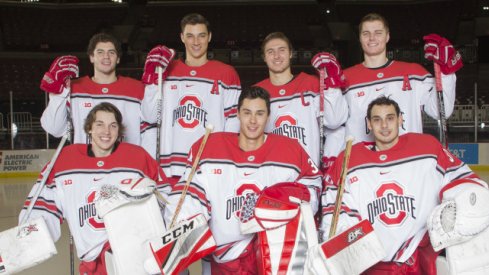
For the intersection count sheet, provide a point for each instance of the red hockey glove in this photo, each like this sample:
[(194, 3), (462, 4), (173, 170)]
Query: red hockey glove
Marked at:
[(159, 56), (61, 71), (326, 61), (441, 51)]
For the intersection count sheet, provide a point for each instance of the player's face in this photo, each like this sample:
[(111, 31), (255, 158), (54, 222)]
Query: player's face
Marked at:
[(253, 117), (104, 133), (374, 38), (104, 58), (277, 55), (384, 123), (196, 39)]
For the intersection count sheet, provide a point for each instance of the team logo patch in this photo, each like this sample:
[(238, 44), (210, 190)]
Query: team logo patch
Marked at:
[(380, 75), (355, 235), (383, 157), (251, 158), (105, 90), (87, 213), (235, 203), (100, 163), (27, 230), (391, 206), (286, 125), (281, 92), (189, 112), (193, 73)]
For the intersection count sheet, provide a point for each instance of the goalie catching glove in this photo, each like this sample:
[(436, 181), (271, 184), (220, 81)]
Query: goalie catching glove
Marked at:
[(61, 71), (460, 219), (159, 56), (334, 74), (441, 51)]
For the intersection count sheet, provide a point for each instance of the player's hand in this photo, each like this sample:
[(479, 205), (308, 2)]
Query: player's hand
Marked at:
[(441, 51), (328, 62), (61, 71), (159, 56)]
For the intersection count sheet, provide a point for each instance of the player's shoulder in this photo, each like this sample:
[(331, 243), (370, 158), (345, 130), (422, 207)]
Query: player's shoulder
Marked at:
[(419, 139), (132, 148), (84, 80), (216, 64), (284, 142), (130, 81), (354, 69), (265, 83), (408, 68)]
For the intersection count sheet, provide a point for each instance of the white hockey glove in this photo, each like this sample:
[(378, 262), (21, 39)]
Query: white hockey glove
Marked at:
[(460, 219), (25, 246)]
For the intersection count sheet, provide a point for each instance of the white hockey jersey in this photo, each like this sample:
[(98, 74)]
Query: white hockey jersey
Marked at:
[(71, 186), (295, 111), (395, 189), (126, 94), (226, 174), (192, 98), (409, 84)]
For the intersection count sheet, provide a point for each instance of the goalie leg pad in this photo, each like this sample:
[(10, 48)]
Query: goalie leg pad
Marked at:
[(180, 246), (129, 226), (458, 220), (351, 252), (25, 246)]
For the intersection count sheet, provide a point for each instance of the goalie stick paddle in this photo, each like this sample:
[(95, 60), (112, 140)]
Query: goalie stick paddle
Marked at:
[(341, 187), (208, 130), (159, 112), (441, 107)]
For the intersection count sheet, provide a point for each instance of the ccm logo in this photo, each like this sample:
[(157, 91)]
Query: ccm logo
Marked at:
[(177, 232)]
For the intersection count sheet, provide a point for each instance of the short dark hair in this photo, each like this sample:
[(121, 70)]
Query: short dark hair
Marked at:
[(373, 17), (275, 35), (104, 38), (194, 19), (105, 107), (382, 101), (253, 93)]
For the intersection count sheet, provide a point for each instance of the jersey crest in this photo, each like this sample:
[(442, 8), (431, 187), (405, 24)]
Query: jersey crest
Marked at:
[(391, 206), (286, 125), (235, 203), (87, 214), (189, 112)]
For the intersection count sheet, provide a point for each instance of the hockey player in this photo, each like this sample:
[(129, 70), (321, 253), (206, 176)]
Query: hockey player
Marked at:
[(295, 99), (233, 166), (79, 172), (74, 99), (409, 84), (396, 182), (196, 92)]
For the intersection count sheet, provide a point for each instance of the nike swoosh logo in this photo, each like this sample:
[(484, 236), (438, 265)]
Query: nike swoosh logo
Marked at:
[(281, 106), (379, 89), (188, 86), (383, 173), (95, 179), (247, 174)]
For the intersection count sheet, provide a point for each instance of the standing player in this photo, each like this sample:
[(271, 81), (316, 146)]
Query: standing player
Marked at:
[(295, 99), (196, 91), (234, 165), (407, 83), (396, 182), (79, 172), (77, 98)]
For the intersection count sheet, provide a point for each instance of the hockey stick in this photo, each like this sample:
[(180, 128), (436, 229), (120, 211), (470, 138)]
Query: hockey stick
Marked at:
[(34, 198), (322, 76), (208, 130), (341, 187), (441, 107), (159, 112)]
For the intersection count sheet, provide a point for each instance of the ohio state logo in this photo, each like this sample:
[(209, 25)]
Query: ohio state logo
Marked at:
[(189, 113), (286, 125), (87, 214), (234, 203), (391, 206)]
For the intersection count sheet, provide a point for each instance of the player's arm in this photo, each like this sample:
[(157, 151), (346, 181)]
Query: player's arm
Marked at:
[(56, 81), (159, 56), (439, 50), (231, 95), (311, 177)]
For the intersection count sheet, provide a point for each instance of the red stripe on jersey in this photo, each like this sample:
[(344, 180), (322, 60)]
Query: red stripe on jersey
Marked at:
[(467, 180), (346, 238)]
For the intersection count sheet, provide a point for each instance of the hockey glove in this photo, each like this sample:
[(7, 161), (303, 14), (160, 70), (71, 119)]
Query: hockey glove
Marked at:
[(328, 62), (440, 50), (61, 71), (159, 56)]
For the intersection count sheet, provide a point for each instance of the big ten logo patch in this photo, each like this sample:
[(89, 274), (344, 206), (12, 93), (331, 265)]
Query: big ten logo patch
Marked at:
[(286, 125), (391, 206), (189, 112), (235, 202), (87, 214)]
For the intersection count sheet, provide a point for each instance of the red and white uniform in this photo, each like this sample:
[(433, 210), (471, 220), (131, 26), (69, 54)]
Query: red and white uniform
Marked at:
[(71, 186), (192, 98), (226, 174), (126, 94), (295, 111), (409, 84), (395, 189)]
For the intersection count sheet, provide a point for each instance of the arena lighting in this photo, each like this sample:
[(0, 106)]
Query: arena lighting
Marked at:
[(29, 1), (117, 1)]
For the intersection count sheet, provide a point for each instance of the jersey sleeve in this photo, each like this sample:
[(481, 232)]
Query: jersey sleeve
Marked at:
[(54, 119), (349, 214), (150, 102), (311, 177), (231, 95), (429, 98), (47, 205), (335, 108)]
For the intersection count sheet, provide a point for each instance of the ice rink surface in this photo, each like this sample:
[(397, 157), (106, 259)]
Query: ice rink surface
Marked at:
[(13, 192)]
